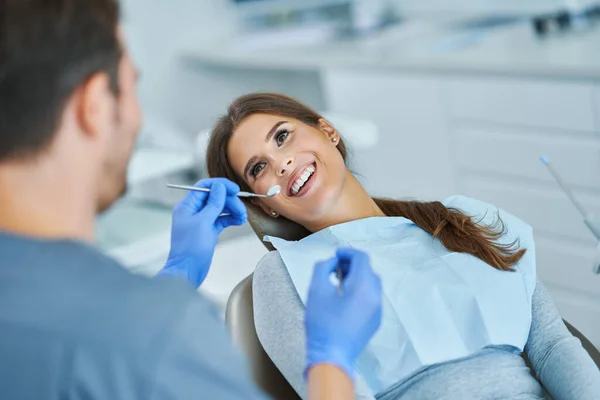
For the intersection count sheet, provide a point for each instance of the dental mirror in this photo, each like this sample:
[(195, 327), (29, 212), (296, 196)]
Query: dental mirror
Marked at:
[(273, 191)]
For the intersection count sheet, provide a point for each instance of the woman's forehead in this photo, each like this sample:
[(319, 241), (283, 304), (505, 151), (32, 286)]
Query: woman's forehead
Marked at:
[(257, 123), (253, 131), (247, 139)]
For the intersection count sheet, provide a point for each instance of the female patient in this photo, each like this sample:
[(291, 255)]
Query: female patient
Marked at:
[(461, 297)]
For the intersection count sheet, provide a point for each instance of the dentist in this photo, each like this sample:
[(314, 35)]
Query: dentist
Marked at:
[(74, 324)]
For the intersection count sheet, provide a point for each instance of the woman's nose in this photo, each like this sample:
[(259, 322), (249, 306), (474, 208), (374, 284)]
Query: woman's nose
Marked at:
[(286, 166)]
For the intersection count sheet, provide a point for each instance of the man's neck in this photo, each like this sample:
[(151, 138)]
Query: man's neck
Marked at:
[(46, 199), (354, 203)]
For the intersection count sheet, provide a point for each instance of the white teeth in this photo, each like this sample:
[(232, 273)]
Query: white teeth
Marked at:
[(302, 179)]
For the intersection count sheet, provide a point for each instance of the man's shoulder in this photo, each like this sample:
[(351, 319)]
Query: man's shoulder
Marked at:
[(136, 313), (72, 290), (103, 283), (69, 303)]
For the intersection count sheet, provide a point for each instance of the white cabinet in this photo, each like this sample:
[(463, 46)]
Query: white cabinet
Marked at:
[(541, 103), (515, 152), (412, 158)]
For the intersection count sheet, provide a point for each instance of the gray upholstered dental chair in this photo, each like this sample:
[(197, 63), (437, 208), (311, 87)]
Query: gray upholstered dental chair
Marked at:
[(240, 319), (240, 313)]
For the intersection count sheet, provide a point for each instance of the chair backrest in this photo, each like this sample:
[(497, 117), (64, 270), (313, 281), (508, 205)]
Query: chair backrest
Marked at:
[(264, 225), (240, 320)]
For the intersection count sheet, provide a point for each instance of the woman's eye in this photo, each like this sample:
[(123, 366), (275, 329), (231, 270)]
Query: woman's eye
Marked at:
[(256, 170), (281, 137)]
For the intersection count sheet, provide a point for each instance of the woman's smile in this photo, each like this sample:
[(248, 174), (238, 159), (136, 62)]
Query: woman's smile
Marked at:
[(302, 180)]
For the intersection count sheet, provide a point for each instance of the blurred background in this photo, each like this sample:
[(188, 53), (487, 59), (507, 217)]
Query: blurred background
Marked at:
[(435, 97)]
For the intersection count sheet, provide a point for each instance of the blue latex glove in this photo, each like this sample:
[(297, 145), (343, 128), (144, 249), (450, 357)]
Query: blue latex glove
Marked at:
[(196, 227), (340, 325)]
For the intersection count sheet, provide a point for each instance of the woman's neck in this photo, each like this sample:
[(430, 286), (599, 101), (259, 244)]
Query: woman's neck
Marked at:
[(354, 203)]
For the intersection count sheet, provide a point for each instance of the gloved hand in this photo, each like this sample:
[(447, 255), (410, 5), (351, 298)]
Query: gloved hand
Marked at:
[(340, 325), (196, 227)]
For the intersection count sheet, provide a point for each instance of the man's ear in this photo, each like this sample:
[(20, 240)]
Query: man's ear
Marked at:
[(329, 131), (95, 105)]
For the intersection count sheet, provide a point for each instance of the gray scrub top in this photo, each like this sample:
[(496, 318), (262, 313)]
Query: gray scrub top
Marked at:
[(76, 325)]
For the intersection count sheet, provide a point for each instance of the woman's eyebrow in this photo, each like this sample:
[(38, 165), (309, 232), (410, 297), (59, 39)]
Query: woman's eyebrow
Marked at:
[(273, 130), (267, 139), (248, 166)]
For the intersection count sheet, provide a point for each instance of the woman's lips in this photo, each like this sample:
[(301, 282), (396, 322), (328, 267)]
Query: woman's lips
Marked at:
[(294, 178), (307, 185)]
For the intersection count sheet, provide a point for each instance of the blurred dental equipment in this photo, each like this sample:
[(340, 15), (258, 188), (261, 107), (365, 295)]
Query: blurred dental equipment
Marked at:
[(273, 191), (590, 220), (369, 15)]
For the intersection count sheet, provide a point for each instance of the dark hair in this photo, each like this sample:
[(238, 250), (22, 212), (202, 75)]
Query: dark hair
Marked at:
[(457, 231), (47, 49)]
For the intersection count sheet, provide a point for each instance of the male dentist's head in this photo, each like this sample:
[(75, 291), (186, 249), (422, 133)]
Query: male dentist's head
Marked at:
[(69, 114)]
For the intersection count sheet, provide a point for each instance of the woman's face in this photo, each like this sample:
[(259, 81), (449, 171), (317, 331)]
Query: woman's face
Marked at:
[(267, 150)]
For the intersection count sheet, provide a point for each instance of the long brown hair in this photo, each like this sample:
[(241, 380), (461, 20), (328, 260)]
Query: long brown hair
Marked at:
[(457, 231)]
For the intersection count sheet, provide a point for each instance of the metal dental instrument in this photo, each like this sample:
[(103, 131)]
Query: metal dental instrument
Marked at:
[(590, 220), (564, 186), (339, 274), (273, 191)]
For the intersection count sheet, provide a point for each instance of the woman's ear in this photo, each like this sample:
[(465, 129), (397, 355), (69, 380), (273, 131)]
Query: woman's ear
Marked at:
[(266, 209), (329, 131)]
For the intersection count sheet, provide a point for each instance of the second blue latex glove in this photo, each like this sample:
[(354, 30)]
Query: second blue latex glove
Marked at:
[(339, 325), (197, 225)]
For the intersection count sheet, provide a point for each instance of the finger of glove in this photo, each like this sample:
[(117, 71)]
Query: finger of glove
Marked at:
[(230, 220), (232, 188), (215, 203), (191, 204), (321, 276), (236, 207), (358, 267), (195, 201)]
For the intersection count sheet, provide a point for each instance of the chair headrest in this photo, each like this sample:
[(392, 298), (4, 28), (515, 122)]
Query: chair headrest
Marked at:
[(280, 227)]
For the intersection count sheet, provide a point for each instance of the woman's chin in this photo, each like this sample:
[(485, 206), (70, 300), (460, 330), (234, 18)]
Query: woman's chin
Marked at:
[(321, 203), (317, 199)]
